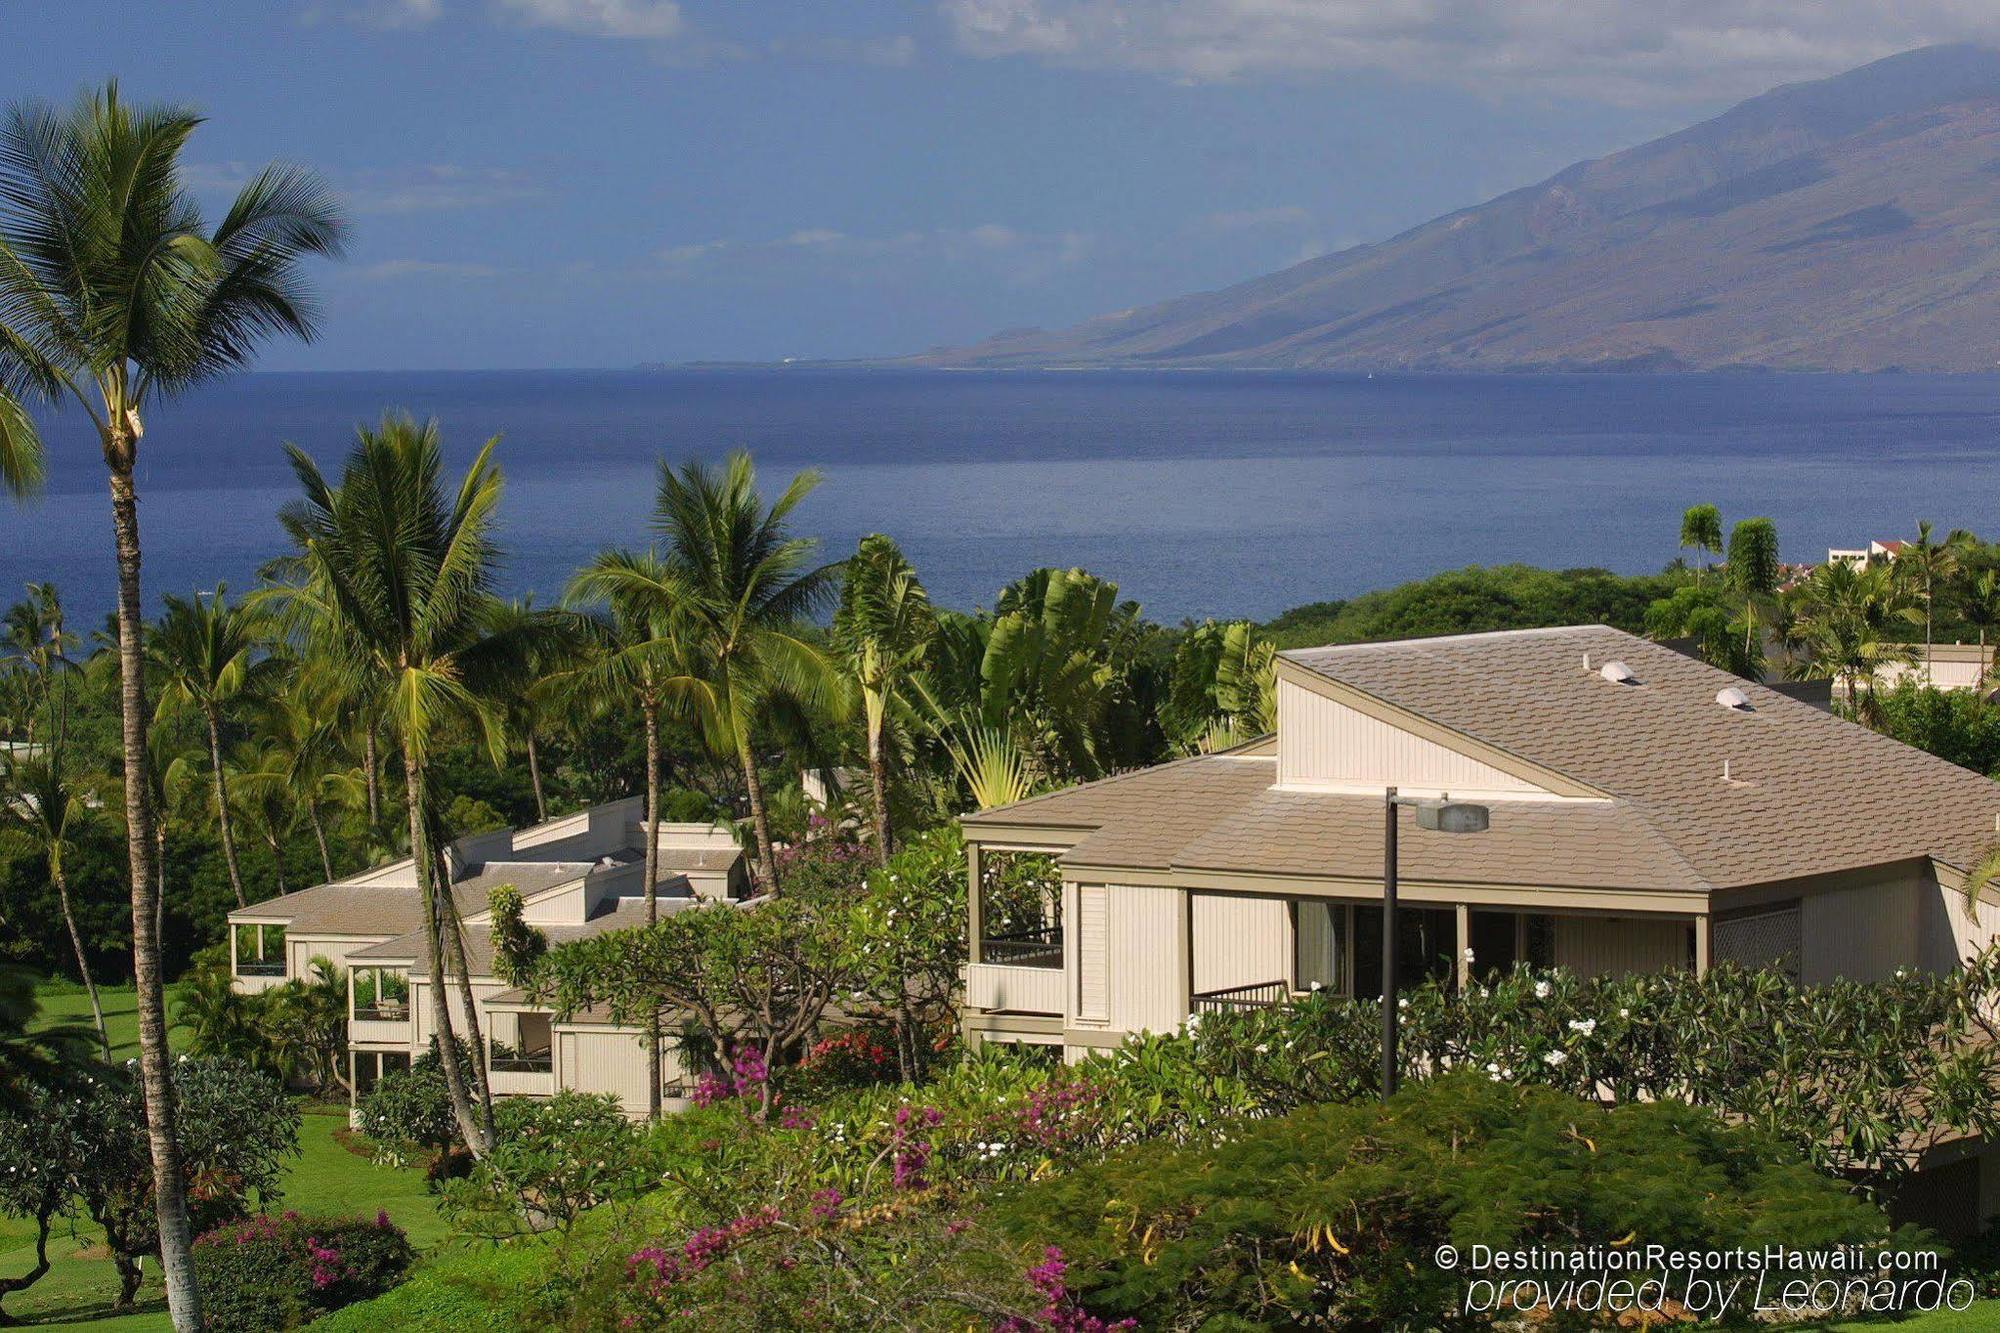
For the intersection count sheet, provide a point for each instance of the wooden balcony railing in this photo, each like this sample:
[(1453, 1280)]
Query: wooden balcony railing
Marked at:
[(1041, 947), (1259, 995), (260, 967), (507, 1060)]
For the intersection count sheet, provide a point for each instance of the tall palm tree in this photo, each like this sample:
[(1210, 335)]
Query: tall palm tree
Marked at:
[(883, 628), (746, 585), (1701, 530), (260, 787), (114, 293), (210, 659), (529, 708), (1842, 614), (637, 649), (45, 807), (34, 636), (401, 568), (1753, 571), (303, 741), (1925, 566)]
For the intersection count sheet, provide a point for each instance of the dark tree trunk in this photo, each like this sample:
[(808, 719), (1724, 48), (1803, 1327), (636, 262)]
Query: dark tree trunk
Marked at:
[(319, 836), (223, 822), (176, 1236), (535, 779), (454, 1076), (61, 882), (760, 823), (654, 1074), (370, 762), (44, 1218)]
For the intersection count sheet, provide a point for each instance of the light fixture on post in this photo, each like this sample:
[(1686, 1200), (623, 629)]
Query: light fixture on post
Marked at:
[(1440, 815)]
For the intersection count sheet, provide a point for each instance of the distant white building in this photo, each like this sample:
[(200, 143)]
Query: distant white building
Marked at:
[(1861, 555)]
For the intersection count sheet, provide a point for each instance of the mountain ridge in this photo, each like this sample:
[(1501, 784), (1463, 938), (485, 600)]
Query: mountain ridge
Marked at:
[(1842, 224)]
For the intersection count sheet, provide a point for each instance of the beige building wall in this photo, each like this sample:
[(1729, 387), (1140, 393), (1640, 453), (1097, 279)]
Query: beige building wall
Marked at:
[(1240, 940), (1600, 946), (597, 1060), (1862, 931), (1949, 932), (1322, 742), (301, 950), (420, 1008), (1145, 943)]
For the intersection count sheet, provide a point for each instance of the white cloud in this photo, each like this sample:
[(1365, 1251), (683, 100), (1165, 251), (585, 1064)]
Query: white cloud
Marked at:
[(375, 13), (599, 18), (390, 270), (1627, 51)]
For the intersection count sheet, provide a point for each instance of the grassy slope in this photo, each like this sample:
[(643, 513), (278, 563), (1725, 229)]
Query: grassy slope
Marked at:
[(326, 1178)]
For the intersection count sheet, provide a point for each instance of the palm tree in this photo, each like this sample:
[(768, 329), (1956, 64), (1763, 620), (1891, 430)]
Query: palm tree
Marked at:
[(1701, 530), (114, 293), (745, 586), (884, 627), (1842, 611), (1753, 571), (34, 636), (400, 568), (44, 809), (210, 660), (1923, 566), (637, 649), (529, 708)]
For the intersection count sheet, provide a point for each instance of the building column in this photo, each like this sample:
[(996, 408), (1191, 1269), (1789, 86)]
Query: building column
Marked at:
[(975, 909), (1185, 965), (1704, 943), (1460, 967)]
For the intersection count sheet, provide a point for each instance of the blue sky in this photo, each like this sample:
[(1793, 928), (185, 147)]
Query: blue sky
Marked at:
[(606, 182)]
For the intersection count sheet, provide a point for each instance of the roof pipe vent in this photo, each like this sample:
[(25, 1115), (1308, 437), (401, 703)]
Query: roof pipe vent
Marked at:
[(1735, 700), (1618, 673)]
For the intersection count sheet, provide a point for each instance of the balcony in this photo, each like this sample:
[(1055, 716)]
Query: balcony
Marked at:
[(1036, 989), (260, 967), (515, 1073), (380, 1023), (1041, 947), (1261, 995)]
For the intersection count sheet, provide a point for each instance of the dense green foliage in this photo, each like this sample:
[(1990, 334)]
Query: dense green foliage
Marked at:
[(266, 1274), (1960, 725), (1477, 598), (1329, 1215)]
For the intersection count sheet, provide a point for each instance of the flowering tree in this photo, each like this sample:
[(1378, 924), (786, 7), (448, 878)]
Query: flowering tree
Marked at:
[(905, 944), (43, 1142)]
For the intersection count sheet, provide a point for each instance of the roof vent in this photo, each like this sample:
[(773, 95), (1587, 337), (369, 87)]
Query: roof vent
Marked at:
[(1735, 700), (1618, 673)]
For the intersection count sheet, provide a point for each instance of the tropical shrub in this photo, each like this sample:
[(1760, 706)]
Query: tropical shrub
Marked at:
[(552, 1161), (408, 1112), (234, 1125), (43, 1143), (278, 1273), (905, 944), (1956, 725), (1331, 1215)]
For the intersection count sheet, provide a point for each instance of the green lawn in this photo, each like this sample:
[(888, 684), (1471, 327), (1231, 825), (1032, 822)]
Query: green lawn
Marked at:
[(327, 1177), (66, 1002)]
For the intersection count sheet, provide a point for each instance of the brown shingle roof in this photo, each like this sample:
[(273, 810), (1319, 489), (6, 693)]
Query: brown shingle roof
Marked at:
[(1808, 792), (355, 909)]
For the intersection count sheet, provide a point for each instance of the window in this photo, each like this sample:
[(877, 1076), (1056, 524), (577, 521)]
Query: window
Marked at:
[(260, 950), (1320, 941)]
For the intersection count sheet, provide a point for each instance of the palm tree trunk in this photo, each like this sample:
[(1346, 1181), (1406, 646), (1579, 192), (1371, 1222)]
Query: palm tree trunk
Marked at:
[(277, 863), (654, 1074), (160, 883), (319, 836), (156, 1080), (222, 806), (76, 942), (447, 1047), (760, 823), (369, 762), (878, 779), (535, 779), (481, 1088)]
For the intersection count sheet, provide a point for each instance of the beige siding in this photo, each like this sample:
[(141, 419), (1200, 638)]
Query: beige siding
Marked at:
[(1862, 933), (611, 1062), (420, 1004), (1609, 946), (1093, 1004), (1951, 934), (301, 952), (1021, 990), (1240, 940), (1323, 742), (1145, 945)]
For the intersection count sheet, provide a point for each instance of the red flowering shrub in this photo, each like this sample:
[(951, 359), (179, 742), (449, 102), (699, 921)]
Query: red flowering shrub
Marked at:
[(283, 1272), (857, 1058)]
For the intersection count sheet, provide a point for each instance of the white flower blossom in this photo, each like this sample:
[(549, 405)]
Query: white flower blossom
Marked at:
[(1468, 953), (1492, 1068), (1624, 1013), (1554, 1058), (1584, 1025), (1541, 990)]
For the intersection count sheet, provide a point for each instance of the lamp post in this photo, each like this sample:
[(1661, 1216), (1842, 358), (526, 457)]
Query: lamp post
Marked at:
[(1442, 815)]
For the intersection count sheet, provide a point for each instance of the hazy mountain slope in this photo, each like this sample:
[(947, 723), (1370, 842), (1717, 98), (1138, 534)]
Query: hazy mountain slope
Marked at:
[(1847, 224)]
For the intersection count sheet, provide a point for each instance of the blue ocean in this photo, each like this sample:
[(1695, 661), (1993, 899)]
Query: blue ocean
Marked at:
[(1201, 494)]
